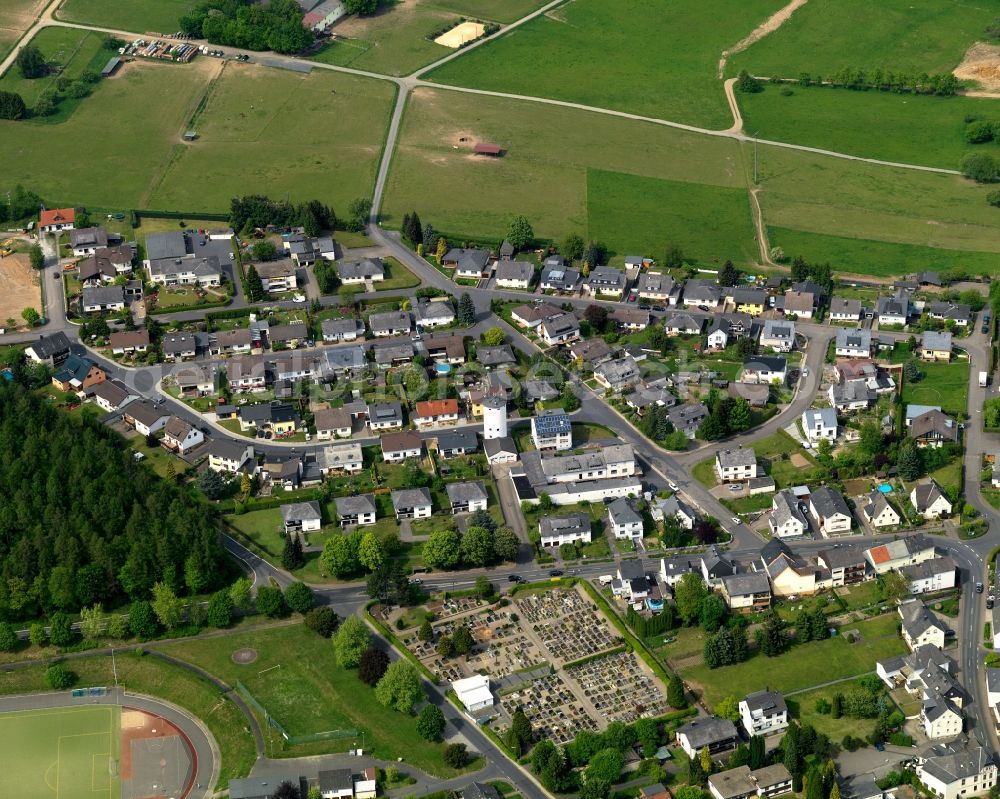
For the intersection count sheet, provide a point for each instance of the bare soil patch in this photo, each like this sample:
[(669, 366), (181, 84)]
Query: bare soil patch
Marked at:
[(981, 64), (799, 461), (18, 288), (244, 656)]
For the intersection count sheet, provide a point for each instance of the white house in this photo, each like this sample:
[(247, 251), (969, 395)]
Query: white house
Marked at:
[(786, 519), (842, 310), (672, 506), (878, 511), (764, 369), (301, 517), (920, 626), (717, 734), (559, 530), (625, 522), (466, 497), (412, 503), (830, 511), (819, 424), (514, 274), (473, 692), (936, 574), (957, 769), (928, 500), (228, 455), (763, 712), (853, 343), (181, 436), (735, 464), (552, 429), (145, 417), (778, 336), (359, 509)]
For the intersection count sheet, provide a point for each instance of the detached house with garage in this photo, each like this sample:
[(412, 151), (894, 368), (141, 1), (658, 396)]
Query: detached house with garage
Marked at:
[(144, 417), (852, 395), (559, 329), (786, 519), (658, 288), (230, 456), (468, 264), (365, 270), (877, 510), (920, 626), (559, 530), (332, 423), (843, 310), (412, 503), (181, 436), (935, 345), (929, 500), (894, 310), (735, 464), (391, 323), (466, 497), (830, 511), (605, 280), (515, 274), (778, 336), (853, 343), (715, 733), (57, 220)]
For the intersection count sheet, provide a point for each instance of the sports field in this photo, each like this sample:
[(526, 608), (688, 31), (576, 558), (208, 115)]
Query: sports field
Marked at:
[(658, 60), (825, 36), (892, 127), (136, 16), (65, 753)]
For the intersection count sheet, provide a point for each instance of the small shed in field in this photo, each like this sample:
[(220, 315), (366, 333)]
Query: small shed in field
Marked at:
[(485, 148)]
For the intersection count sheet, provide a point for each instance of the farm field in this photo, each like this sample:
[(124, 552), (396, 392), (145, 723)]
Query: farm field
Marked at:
[(824, 36), (505, 12), (137, 16), (800, 666), (72, 49), (269, 129), (308, 670), (944, 384), (18, 289), (882, 258), (544, 172), (657, 61), (709, 223), (71, 747), (892, 127), (835, 196), (16, 17)]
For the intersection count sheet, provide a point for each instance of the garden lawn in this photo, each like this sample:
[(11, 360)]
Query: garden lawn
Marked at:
[(655, 60), (263, 527), (397, 277), (861, 595), (803, 707), (803, 666), (907, 128), (949, 475), (273, 128), (825, 36), (294, 667), (150, 675), (709, 223), (72, 50), (704, 472), (944, 384), (549, 152), (138, 16)]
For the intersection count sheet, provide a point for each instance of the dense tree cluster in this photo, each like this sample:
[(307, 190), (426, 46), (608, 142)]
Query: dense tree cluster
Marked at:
[(821, 274), (276, 25), (257, 211), (20, 204), (82, 522), (12, 106), (727, 415), (942, 84)]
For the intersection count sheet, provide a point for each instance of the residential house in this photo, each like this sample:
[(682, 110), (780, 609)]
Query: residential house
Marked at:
[(129, 342), (56, 220), (500, 450), (878, 511), (473, 692), (51, 350), (178, 346), (277, 276), (559, 329), (632, 583), (361, 271), (552, 429), (851, 395), (605, 280), (431, 413), (843, 310), (340, 458), (531, 315), (830, 511), (466, 497), (960, 315), (658, 288), (591, 352), (800, 303), (935, 345), (560, 279), (102, 299), (495, 357), (936, 574), (742, 783), (78, 374), (920, 626), (676, 508), (86, 241), (846, 562), (599, 464), (894, 310), (559, 530), (630, 319), (727, 328), (181, 436), (819, 424), (290, 335), (674, 568), (468, 264), (683, 323), (385, 416), (412, 503), (618, 375), (275, 416), (895, 555), (643, 398), (358, 509), (778, 336), (733, 465), (625, 522), (305, 250), (789, 574), (445, 347), (390, 352), (112, 395), (687, 418), (515, 274), (764, 369), (715, 734), (434, 312), (957, 769), (451, 443), (657, 790), (933, 429), (229, 455), (747, 592), (366, 783), (763, 712), (332, 423), (398, 447), (714, 566), (187, 270), (390, 323), (929, 500), (747, 300), (853, 343), (336, 330), (144, 417), (301, 517), (246, 374), (230, 342), (786, 519), (702, 293), (336, 784)]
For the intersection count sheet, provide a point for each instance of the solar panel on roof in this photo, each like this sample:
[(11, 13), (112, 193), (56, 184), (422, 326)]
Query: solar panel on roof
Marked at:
[(383, 412), (557, 274)]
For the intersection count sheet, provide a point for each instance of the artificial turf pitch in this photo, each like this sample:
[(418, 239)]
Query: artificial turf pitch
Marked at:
[(61, 753)]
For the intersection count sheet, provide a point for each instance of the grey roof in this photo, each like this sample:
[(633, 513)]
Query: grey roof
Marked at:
[(934, 422), (655, 283), (144, 411), (111, 392), (786, 508), (926, 494), (736, 457), (52, 344), (103, 295), (574, 522), (301, 511), (854, 339), (338, 327), (632, 569), (515, 270), (765, 363), (993, 680), (494, 446), (621, 512), (851, 391), (227, 448), (917, 618), (467, 260), (684, 416), (840, 305), (385, 412), (364, 268), (495, 356), (293, 330), (956, 760), (771, 701), (684, 320), (747, 296), (672, 506), (929, 568), (172, 244), (606, 277), (88, 237), (619, 372), (707, 730), (356, 505), (828, 502), (457, 439), (390, 320), (472, 491), (336, 779), (435, 309), (480, 790), (897, 305), (702, 291), (560, 324), (826, 416), (749, 583), (560, 276), (406, 498), (936, 340), (950, 310), (843, 556), (777, 330)]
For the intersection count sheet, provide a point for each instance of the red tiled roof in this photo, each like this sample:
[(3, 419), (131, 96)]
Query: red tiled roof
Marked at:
[(57, 216), (436, 407), (880, 554)]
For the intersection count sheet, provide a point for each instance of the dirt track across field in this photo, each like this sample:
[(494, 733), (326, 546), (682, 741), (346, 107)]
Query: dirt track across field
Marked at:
[(18, 288), (770, 25)]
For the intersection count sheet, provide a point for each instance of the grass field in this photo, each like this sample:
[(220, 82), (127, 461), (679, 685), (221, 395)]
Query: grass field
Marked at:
[(893, 127), (137, 16), (293, 667), (709, 223), (74, 51), (944, 384), (824, 36), (803, 666), (544, 173), (864, 256), (803, 707), (155, 677), (655, 60), (71, 751)]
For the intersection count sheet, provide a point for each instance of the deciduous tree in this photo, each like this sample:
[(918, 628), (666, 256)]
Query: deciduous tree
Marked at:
[(351, 641), (431, 723), (372, 665), (519, 232)]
